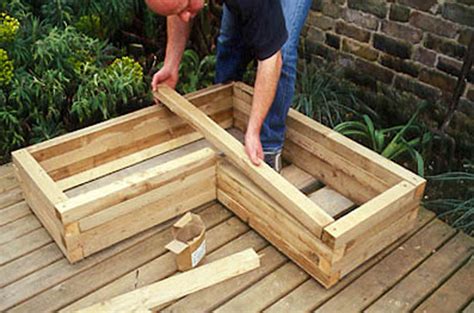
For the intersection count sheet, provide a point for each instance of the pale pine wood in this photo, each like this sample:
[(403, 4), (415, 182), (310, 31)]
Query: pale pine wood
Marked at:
[(368, 215), (217, 237), (126, 161), (136, 132), (374, 241), (308, 213), (10, 197), (266, 291), (258, 205), (34, 293), (29, 263), (385, 274), (14, 212), (364, 157), (159, 293), (24, 245), (8, 182), (299, 178), (208, 299), (299, 301), (18, 228), (71, 141), (172, 127), (454, 294), (425, 279), (31, 169), (331, 201), (134, 185), (167, 204)]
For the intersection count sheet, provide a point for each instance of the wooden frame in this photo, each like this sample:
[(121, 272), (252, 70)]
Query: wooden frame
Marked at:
[(86, 221), (367, 202)]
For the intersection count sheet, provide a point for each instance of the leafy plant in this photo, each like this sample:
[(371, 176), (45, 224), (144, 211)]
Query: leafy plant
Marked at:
[(321, 96), (459, 212), (390, 142), (55, 78), (195, 73)]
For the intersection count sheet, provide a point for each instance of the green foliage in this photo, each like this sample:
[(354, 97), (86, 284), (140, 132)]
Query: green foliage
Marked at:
[(54, 77), (320, 95), (106, 90), (459, 211), (6, 68), (8, 27), (390, 142), (194, 73)]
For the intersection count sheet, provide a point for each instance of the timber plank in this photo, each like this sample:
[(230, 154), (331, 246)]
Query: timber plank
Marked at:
[(154, 213), (300, 179), (454, 294), (235, 186), (381, 208), (8, 181), (322, 170), (29, 263), (165, 266), (6, 169), (375, 240), (76, 139), (180, 285), (10, 197), (71, 164), (126, 161), (382, 276), (266, 291), (311, 294), (18, 228), (35, 291), (297, 204), (207, 300), (469, 308), (331, 201), (14, 212), (408, 293), (95, 200), (24, 245), (364, 157)]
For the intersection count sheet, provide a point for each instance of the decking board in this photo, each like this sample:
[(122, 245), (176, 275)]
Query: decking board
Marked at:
[(44, 274)]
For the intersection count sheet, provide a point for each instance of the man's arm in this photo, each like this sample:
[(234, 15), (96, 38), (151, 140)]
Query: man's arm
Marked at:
[(268, 75), (178, 34)]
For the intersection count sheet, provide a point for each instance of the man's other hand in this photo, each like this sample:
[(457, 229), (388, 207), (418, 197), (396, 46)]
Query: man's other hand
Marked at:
[(253, 148), (166, 76)]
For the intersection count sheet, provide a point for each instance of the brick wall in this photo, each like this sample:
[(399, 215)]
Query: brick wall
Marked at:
[(413, 45)]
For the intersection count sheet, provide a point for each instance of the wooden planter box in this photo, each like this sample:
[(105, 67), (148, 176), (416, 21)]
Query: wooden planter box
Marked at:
[(367, 203)]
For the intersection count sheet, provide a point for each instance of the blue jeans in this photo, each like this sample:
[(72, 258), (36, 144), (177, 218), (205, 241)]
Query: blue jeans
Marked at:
[(233, 57)]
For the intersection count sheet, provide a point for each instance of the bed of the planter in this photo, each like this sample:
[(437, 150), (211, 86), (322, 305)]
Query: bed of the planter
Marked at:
[(97, 186)]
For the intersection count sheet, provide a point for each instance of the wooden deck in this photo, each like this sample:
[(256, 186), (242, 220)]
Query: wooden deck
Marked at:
[(429, 270)]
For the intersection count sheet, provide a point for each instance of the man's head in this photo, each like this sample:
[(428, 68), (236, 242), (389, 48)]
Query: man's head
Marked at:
[(185, 9)]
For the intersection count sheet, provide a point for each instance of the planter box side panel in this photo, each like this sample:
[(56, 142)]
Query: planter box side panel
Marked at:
[(332, 169), (42, 205), (373, 226), (135, 132), (351, 159), (270, 220), (150, 209)]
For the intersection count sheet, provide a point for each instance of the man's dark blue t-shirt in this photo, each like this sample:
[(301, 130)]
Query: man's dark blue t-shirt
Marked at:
[(262, 23)]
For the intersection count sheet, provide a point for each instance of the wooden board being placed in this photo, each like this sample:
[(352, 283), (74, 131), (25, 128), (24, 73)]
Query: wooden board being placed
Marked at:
[(296, 203)]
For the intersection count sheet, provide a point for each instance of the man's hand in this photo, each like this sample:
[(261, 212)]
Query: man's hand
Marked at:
[(167, 76), (253, 147)]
